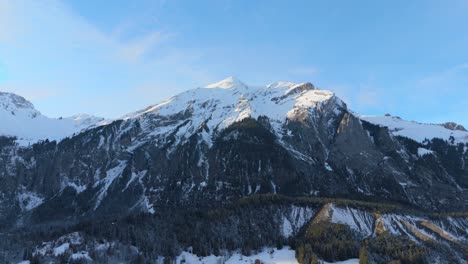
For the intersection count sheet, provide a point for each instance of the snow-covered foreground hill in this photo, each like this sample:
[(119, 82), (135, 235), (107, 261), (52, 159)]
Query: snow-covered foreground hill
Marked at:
[(72, 244), (267, 256)]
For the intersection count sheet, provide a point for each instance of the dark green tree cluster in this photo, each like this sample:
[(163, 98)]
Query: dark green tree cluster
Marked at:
[(452, 158), (386, 248), (331, 242), (250, 224), (248, 227)]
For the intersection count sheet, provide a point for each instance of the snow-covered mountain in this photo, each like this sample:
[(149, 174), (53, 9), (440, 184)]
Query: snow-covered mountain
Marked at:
[(419, 131), (219, 105), (20, 119), (216, 106), (306, 135), (223, 144)]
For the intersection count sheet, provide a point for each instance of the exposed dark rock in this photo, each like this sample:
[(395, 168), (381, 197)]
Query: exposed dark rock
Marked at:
[(453, 126)]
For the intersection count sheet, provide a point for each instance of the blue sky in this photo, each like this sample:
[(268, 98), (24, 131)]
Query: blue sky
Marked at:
[(407, 58)]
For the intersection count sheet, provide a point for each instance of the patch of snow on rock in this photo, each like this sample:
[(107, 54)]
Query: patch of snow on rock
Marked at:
[(81, 255), (423, 151), (61, 249), (294, 219), (357, 220), (287, 228), (111, 175), (328, 167), (29, 200)]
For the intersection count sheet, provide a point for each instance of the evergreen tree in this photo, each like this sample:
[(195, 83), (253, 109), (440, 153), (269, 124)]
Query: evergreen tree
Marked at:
[(314, 259), (363, 256), (300, 253)]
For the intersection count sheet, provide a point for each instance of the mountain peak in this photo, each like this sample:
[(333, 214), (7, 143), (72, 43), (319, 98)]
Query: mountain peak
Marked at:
[(20, 119), (228, 83), (13, 103)]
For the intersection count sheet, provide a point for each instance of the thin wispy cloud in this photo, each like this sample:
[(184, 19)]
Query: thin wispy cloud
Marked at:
[(135, 49), (36, 94), (444, 76), (368, 98), (364, 95), (45, 43), (70, 33)]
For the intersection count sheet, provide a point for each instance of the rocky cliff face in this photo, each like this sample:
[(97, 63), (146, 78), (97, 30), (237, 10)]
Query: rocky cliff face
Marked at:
[(454, 126)]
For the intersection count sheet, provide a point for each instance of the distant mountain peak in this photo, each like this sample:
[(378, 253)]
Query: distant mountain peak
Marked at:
[(228, 83), (419, 131), (20, 119), (12, 104)]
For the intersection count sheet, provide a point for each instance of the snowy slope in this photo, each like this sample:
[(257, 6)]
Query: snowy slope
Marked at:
[(19, 118), (266, 256), (214, 107), (221, 104), (417, 131)]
